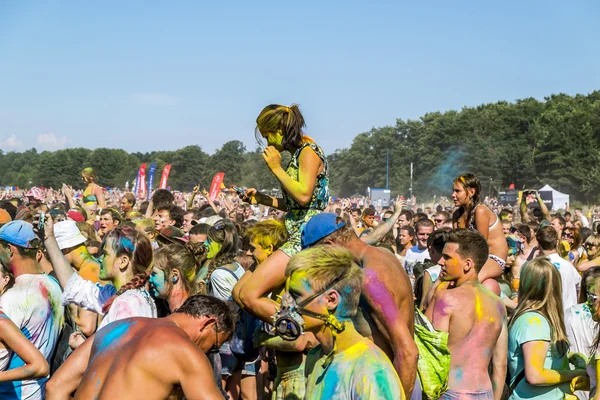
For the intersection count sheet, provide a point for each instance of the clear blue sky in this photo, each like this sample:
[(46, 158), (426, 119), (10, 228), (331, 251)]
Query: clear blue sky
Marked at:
[(151, 75)]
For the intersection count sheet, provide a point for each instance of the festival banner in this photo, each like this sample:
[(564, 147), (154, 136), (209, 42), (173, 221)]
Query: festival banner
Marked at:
[(165, 176), (136, 186), (215, 186), (142, 182), (151, 180)]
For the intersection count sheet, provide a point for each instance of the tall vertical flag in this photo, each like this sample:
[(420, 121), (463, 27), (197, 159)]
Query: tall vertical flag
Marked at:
[(165, 176), (141, 183), (215, 186), (151, 180)]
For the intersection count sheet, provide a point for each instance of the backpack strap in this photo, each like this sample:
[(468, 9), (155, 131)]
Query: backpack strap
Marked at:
[(518, 379), (228, 270)]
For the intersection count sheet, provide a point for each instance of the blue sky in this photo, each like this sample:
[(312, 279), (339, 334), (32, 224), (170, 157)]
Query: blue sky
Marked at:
[(150, 75)]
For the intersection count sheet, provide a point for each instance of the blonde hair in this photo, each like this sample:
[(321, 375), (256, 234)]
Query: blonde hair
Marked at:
[(322, 265), (540, 290), (89, 174), (147, 224), (268, 232)]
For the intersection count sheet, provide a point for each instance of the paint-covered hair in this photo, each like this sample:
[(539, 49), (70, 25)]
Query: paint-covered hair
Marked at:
[(89, 174), (186, 259), (225, 233), (267, 233), (321, 265), (288, 120), (125, 240), (207, 306), (540, 290)]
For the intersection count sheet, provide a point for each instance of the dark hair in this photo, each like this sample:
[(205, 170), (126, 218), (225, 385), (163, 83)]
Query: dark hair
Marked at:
[(367, 212), (288, 120), (560, 219), (585, 233), (225, 233), (126, 240), (444, 214), (567, 214), (470, 181), (504, 213), (471, 244), (524, 230), (200, 229), (425, 223), (30, 253), (534, 226), (162, 196), (588, 275), (10, 208), (143, 207), (199, 305), (547, 238), (408, 214), (411, 232), (420, 216), (206, 211), (115, 215), (176, 213), (195, 213), (130, 198), (437, 240)]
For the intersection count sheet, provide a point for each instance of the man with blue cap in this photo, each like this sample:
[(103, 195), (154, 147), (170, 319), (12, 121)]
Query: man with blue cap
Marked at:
[(386, 300), (33, 304)]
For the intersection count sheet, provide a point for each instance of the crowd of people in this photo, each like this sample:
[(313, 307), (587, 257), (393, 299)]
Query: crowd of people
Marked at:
[(248, 296)]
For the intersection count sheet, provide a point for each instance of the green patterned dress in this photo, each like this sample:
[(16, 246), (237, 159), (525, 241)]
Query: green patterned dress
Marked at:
[(297, 216)]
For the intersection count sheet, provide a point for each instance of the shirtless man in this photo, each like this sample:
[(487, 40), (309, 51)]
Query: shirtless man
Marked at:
[(147, 358), (474, 318), (386, 302)]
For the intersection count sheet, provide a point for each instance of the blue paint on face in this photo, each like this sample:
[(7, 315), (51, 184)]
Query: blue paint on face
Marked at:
[(157, 283)]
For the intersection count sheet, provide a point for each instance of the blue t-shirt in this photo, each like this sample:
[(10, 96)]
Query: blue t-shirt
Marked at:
[(530, 327)]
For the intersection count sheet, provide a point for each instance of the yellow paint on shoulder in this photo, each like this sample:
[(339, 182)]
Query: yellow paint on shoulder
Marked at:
[(478, 310)]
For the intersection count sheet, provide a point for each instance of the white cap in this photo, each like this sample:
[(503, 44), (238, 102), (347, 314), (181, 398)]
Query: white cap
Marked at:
[(67, 234)]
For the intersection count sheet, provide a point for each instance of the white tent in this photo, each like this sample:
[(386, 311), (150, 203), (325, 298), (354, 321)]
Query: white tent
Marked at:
[(558, 199)]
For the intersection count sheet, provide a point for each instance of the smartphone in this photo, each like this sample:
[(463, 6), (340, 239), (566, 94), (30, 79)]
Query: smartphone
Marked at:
[(238, 190)]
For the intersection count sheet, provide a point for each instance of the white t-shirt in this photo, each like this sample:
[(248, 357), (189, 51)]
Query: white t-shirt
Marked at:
[(413, 256), (581, 330), (222, 282), (92, 297), (570, 280), (33, 304)]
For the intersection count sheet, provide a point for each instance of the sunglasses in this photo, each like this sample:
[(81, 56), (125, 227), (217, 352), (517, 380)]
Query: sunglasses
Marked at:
[(568, 235), (439, 221), (215, 348), (588, 246)]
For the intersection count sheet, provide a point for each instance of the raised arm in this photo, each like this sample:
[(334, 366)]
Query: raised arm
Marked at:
[(523, 208), (35, 367), (61, 266), (386, 226), (543, 207), (68, 192), (190, 203), (100, 196)]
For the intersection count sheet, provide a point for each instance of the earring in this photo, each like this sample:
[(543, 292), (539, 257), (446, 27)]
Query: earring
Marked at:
[(174, 279)]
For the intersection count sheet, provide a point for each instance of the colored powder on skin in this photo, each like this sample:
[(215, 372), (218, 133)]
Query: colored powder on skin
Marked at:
[(113, 335), (380, 295), (458, 374), (478, 309), (157, 283)]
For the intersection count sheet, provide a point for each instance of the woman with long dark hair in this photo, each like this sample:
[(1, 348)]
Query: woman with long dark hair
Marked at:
[(473, 214)]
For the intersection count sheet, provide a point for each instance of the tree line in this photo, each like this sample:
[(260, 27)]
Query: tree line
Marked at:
[(527, 143)]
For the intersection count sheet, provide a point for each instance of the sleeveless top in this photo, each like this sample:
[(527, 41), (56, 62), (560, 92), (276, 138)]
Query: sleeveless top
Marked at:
[(297, 215)]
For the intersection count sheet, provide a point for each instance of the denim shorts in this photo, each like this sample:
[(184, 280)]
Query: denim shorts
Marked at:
[(467, 395), (229, 363)]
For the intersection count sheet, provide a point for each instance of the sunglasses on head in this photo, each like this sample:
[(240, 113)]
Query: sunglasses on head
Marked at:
[(592, 298)]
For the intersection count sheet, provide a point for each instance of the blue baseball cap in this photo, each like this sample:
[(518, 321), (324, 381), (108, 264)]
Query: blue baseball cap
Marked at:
[(18, 233), (318, 227)]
